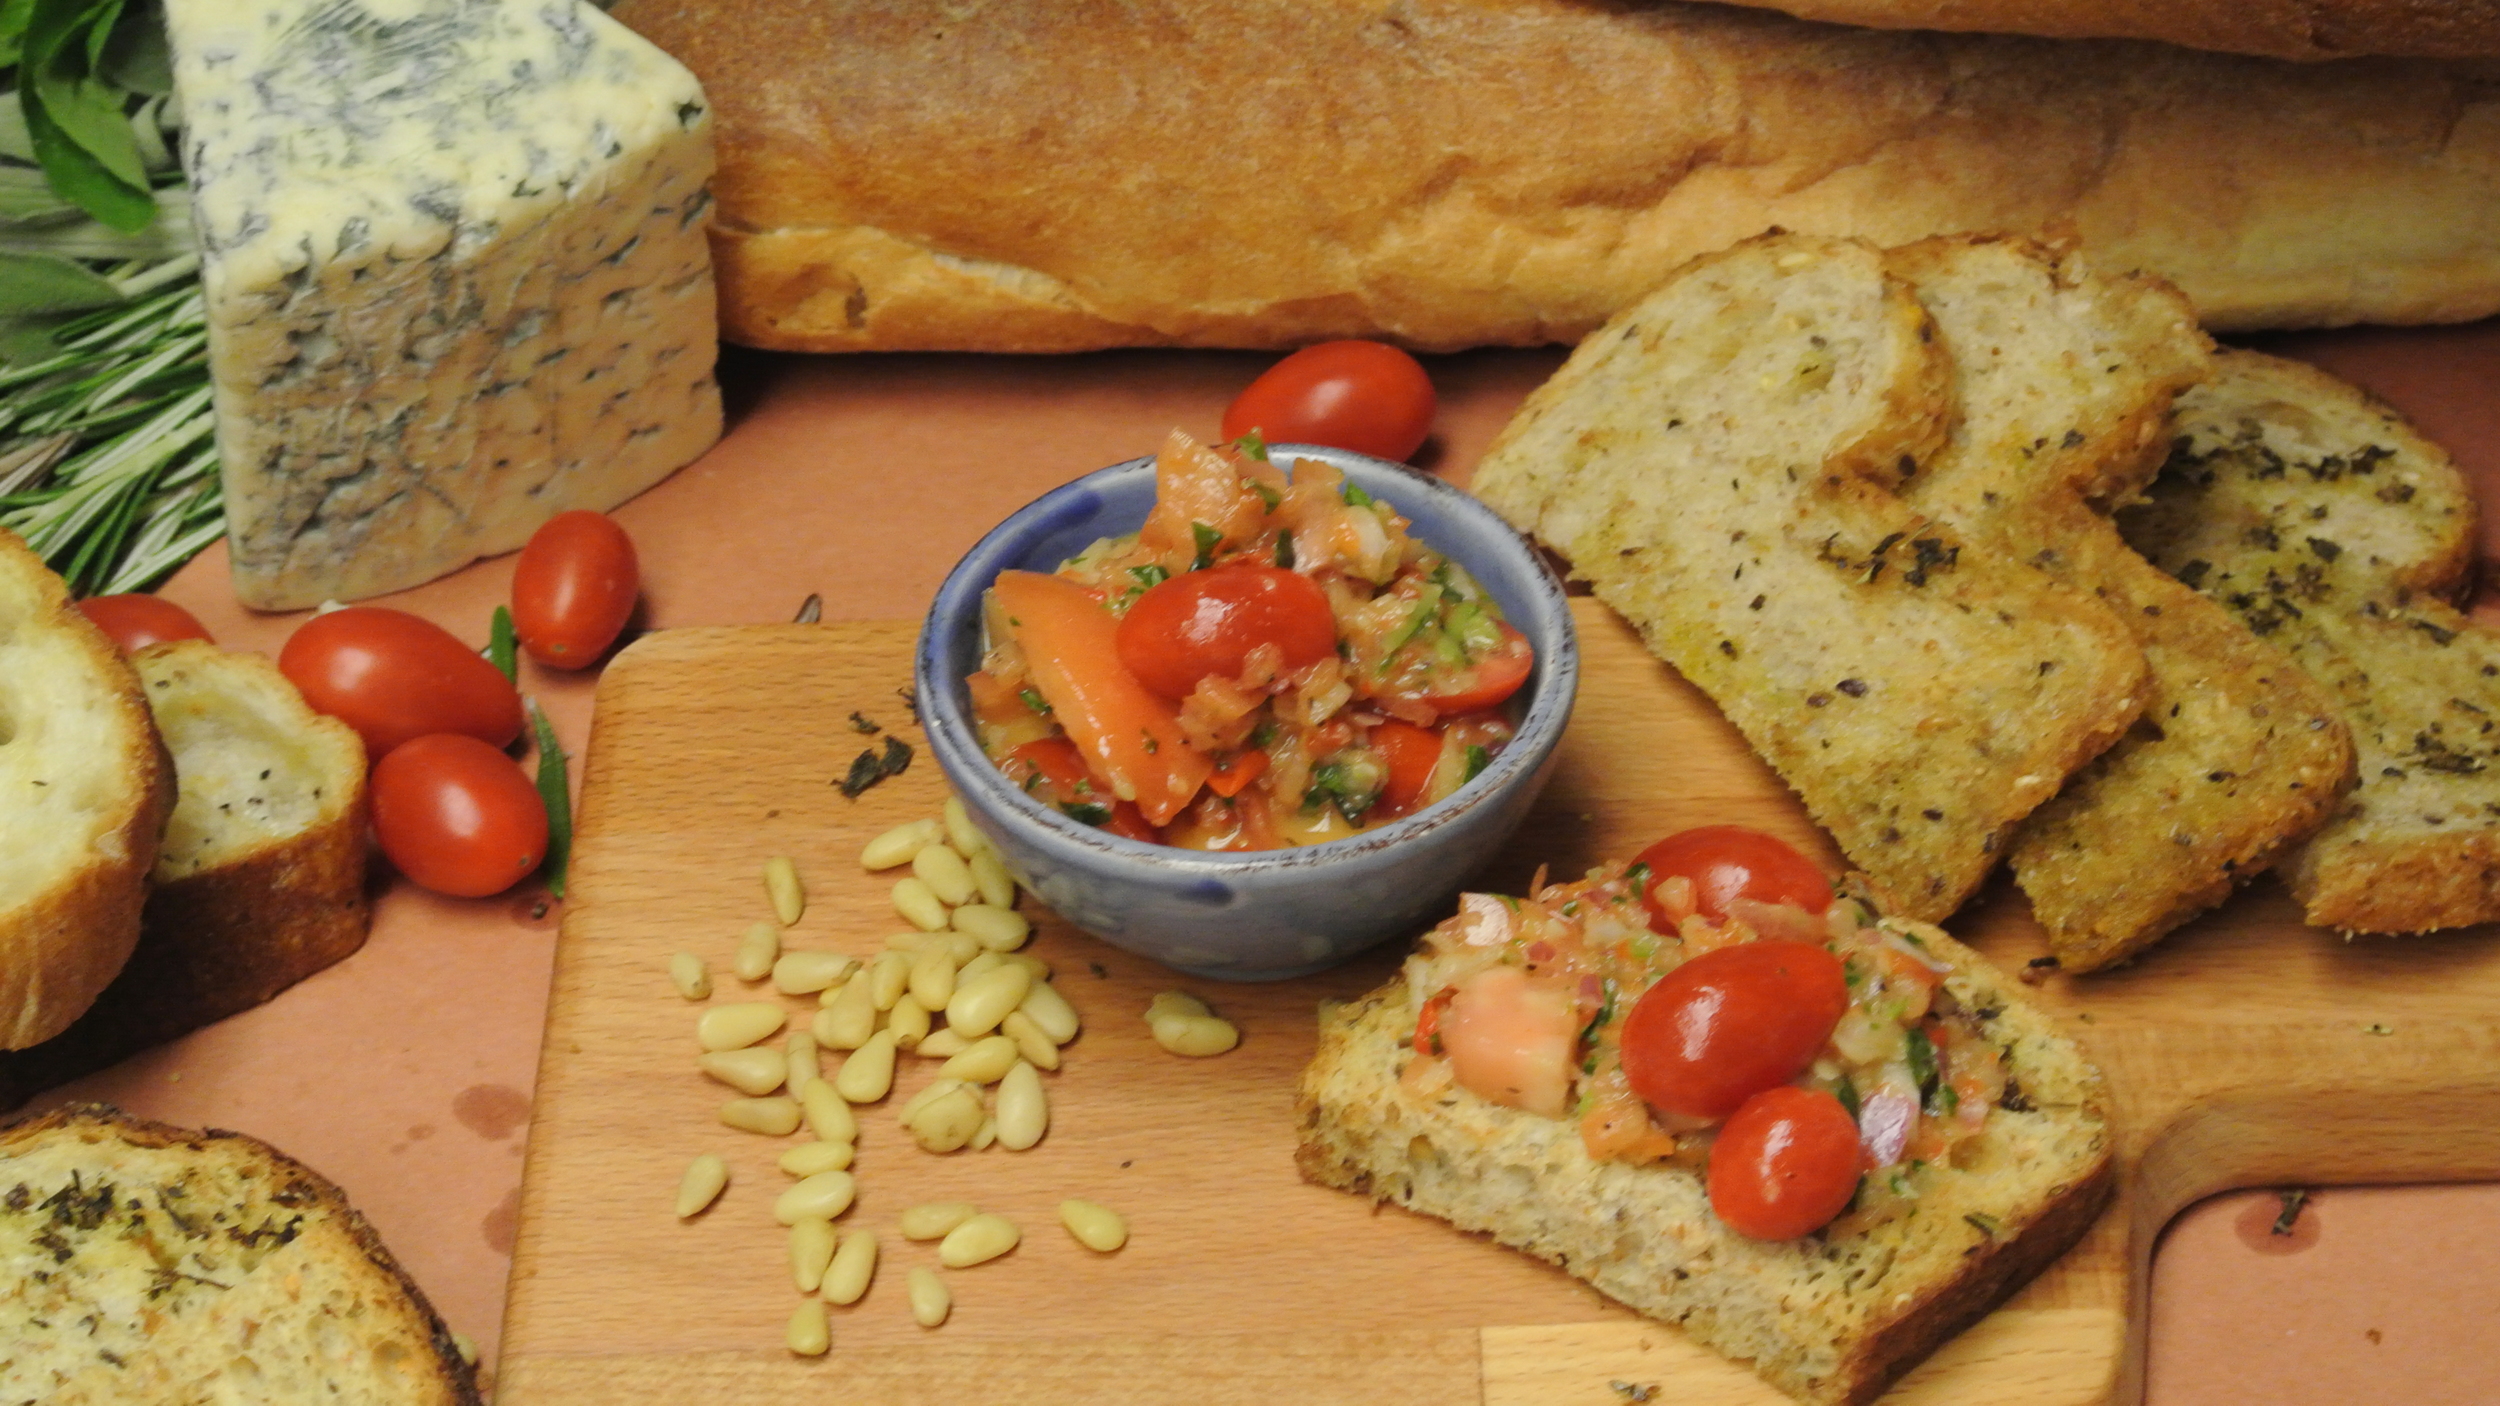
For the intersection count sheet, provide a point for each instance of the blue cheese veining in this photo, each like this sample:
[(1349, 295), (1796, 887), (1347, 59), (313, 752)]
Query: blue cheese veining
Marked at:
[(456, 275)]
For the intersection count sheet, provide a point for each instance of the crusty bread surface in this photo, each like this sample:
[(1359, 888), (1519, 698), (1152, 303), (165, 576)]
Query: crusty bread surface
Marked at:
[(2066, 380), (2289, 29), (908, 175), (159, 1264), (85, 787), (1831, 1318)]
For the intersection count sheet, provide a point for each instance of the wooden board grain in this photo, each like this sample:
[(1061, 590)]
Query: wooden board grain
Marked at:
[(2247, 1050)]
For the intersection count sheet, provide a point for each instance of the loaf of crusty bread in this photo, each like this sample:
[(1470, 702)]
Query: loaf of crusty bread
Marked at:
[(908, 174), (84, 790), (154, 1264), (2066, 379), (2336, 532), (261, 878), (2290, 29)]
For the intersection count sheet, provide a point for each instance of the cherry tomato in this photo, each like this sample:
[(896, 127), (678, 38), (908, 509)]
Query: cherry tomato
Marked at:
[(1207, 622), (133, 623), (457, 816), (574, 589), (1411, 753), (1053, 773), (1785, 1164), (393, 676), (1486, 683), (1730, 1023), (1730, 861), (1365, 396)]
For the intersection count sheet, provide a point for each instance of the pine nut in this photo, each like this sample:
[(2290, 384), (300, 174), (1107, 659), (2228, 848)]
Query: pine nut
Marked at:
[(1023, 1110), (977, 963), (1174, 1003), (932, 1220), (948, 1121), (854, 1264), (918, 905), (1195, 1035), (962, 947), (996, 928), (978, 1241), (986, 1062), (811, 1250), (811, 1332), (687, 972), (929, 1299), (868, 1075), (702, 1184), (754, 1071), (806, 973), (1095, 1226), (988, 1134), (798, 1058), (937, 1089), (781, 880), (1035, 1047), (981, 1003), (826, 1194), (809, 1158), (941, 1044), (773, 1117), (889, 973), (851, 1019), (1026, 960), (897, 846), (990, 876), (933, 977), (909, 1020), (739, 1024), (1051, 1011), (829, 1116), (965, 836), (758, 948), (946, 874)]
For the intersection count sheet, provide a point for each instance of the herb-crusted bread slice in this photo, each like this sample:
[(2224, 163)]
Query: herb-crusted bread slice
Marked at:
[(2066, 381), (2335, 531), (1721, 462), (157, 1264)]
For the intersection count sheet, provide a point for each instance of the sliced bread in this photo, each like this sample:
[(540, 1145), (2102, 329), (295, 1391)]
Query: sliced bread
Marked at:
[(1721, 463), (2066, 380)]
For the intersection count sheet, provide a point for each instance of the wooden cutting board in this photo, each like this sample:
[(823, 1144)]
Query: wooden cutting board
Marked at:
[(2247, 1050)]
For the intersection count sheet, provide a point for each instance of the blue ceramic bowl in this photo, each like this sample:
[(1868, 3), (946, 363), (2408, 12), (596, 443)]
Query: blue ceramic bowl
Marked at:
[(1276, 913)]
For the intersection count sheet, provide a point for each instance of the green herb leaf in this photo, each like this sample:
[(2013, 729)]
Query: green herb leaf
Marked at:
[(1150, 575), (1477, 760), (1922, 1056), (35, 285), (1254, 445), (1284, 551), (556, 792), (503, 648), (861, 724), (1208, 539), (1354, 495)]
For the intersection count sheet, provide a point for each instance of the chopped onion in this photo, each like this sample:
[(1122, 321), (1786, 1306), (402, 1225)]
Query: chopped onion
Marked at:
[(1884, 1124)]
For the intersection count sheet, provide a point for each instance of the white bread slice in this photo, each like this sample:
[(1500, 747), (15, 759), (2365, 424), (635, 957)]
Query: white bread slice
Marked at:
[(261, 878), (158, 1264), (1720, 462), (2067, 378), (1830, 1318), (84, 790), (2335, 531)]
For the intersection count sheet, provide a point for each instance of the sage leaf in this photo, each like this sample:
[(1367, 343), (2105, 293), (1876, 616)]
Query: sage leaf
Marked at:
[(34, 284)]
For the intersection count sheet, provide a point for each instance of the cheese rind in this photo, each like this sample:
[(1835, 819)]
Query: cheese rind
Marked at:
[(456, 274)]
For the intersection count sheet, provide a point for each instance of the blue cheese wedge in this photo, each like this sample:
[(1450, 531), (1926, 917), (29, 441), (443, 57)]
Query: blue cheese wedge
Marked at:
[(456, 276)]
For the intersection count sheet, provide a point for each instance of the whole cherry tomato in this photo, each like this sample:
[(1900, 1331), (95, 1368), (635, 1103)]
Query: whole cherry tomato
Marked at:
[(1730, 1023), (1728, 862), (135, 622), (1785, 1164), (1411, 753), (393, 676), (457, 816), (1207, 622), (574, 589), (1369, 397)]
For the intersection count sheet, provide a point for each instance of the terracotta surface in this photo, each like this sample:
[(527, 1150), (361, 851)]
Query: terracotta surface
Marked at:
[(405, 1072)]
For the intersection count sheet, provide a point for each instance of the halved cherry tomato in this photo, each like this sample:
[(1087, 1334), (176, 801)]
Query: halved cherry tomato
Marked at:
[(574, 589), (1785, 1164), (1369, 397), (1207, 622), (457, 816), (1729, 1024), (1052, 773), (393, 676), (1728, 862), (133, 623), (1486, 682), (1411, 753)]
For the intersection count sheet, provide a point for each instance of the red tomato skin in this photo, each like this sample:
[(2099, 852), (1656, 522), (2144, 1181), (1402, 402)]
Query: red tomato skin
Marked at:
[(1785, 1164), (1498, 676), (1369, 397), (574, 588), (393, 676), (1411, 753), (134, 622), (1731, 861), (1730, 1023), (457, 816), (1207, 622)]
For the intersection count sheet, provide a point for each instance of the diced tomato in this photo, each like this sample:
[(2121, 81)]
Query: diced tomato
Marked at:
[(1511, 1038), (1411, 753), (1130, 739), (1051, 772), (1198, 487), (1238, 770), (1428, 1024)]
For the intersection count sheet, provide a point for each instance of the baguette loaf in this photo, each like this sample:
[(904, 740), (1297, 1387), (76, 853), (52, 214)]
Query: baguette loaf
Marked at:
[(2289, 29), (154, 1264), (1719, 462), (911, 175), (84, 790)]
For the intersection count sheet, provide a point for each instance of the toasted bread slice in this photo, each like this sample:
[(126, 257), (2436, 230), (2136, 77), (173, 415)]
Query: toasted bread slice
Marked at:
[(1721, 461), (84, 790), (2067, 379), (157, 1264), (2335, 531), (261, 878)]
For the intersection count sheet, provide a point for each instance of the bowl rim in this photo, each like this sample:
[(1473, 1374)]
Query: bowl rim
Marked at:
[(945, 716)]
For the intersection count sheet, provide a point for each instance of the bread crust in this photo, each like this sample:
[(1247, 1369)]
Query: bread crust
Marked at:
[(901, 175), (2284, 29)]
